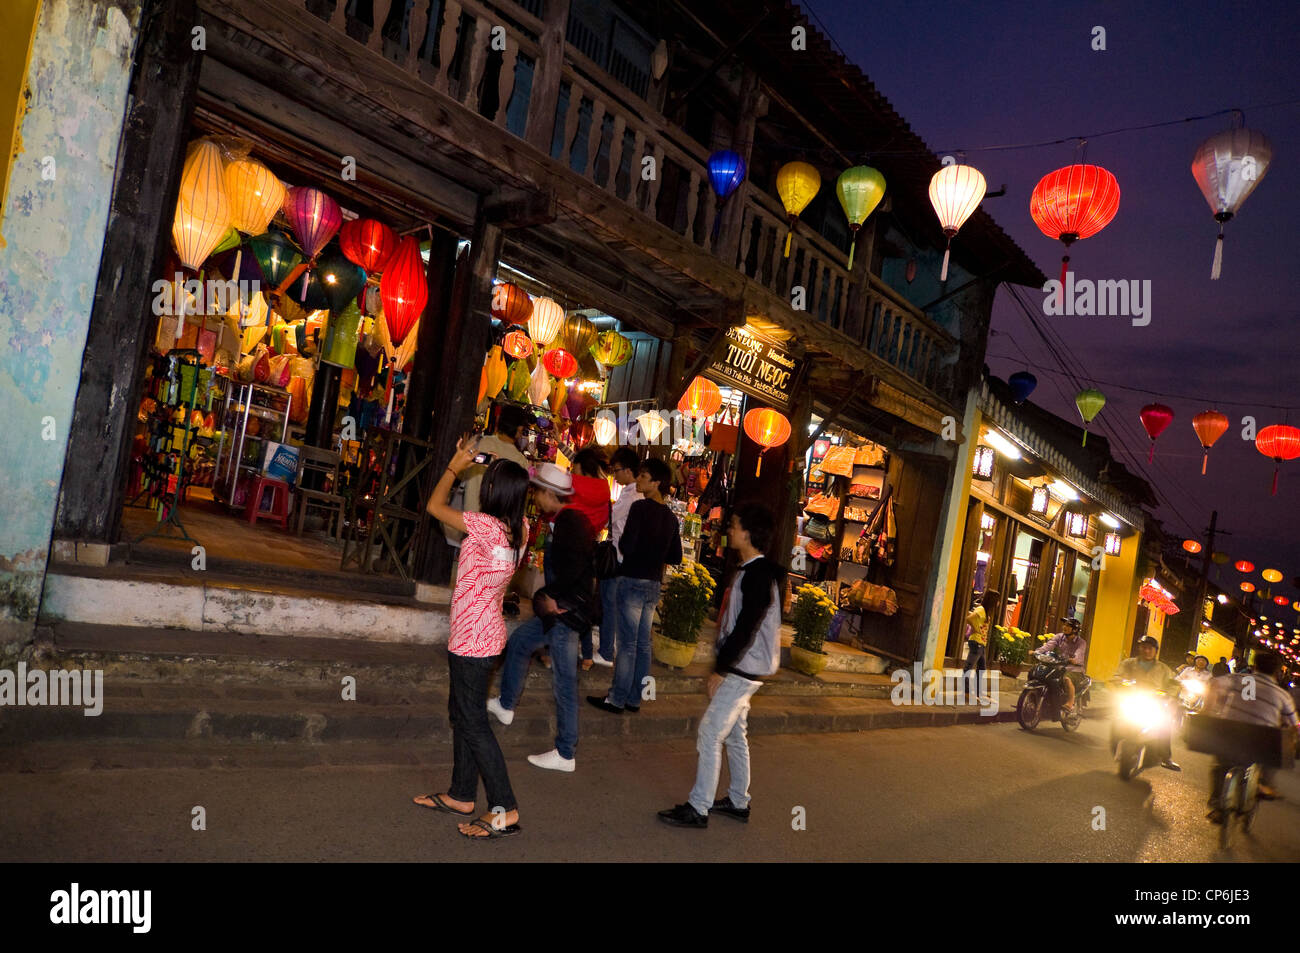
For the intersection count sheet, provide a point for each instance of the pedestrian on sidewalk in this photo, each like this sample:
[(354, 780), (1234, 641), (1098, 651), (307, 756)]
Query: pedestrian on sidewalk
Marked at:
[(651, 540), (489, 555), (623, 466), (591, 499), (749, 649), (563, 608), (977, 639)]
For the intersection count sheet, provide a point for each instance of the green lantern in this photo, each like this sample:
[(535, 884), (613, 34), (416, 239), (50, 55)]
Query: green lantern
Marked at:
[(277, 255), (228, 241), (518, 380), (860, 190), (341, 337), (1090, 402), (333, 282)]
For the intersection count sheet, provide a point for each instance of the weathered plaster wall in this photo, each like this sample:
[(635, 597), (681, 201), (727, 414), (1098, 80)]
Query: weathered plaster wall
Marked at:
[(17, 28), (51, 237)]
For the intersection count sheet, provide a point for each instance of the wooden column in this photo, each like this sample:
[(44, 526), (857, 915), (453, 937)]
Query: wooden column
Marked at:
[(753, 105), (150, 156), (421, 392), (547, 73), (465, 338)]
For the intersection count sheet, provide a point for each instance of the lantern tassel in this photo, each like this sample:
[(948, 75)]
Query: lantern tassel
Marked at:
[(759, 469), (788, 236), (1085, 436), (1060, 294), (1218, 256), (853, 246), (943, 272), (1274, 493), (1205, 459), (303, 296)]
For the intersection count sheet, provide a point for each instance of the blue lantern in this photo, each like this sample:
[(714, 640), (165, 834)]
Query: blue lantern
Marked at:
[(726, 172), (1022, 384)]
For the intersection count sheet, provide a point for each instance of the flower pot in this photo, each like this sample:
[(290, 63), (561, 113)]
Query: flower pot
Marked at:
[(672, 653), (808, 662), (1011, 669)]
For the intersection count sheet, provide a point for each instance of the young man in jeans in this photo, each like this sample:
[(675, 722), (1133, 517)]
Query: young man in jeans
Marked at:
[(563, 609), (749, 648)]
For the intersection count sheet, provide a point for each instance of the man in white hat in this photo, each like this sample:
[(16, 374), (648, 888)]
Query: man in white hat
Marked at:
[(563, 608)]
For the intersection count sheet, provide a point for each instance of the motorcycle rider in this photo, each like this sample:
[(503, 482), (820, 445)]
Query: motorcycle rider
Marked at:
[(1188, 662), (1268, 704), (1199, 670), (1151, 673), (1072, 647)]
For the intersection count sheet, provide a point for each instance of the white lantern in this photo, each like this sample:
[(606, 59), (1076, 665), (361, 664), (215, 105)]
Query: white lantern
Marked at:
[(546, 321), (955, 192), (1227, 167)]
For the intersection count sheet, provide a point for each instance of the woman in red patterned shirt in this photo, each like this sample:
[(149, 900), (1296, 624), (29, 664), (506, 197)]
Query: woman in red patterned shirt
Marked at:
[(489, 556)]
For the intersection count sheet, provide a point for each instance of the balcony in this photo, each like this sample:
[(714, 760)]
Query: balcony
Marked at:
[(498, 61)]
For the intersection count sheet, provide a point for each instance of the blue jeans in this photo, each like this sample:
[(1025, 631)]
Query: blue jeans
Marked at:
[(637, 600), (563, 642), (724, 723), (608, 621)]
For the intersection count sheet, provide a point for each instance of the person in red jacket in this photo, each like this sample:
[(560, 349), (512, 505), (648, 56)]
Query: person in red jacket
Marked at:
[(591, 499)]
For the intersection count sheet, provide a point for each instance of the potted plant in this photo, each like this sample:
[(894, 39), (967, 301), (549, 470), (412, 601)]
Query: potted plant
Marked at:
[(682, 608), (811, 619), (1011, 646)]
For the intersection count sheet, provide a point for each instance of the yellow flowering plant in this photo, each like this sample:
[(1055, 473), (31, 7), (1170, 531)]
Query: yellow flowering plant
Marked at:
[(1011, 645), (811, 617), (685, 602)]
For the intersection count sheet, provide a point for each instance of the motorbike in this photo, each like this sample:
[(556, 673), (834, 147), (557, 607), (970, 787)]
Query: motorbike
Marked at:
[(1191, 694), (1144, 722), (1238, 800), (1046, 693)]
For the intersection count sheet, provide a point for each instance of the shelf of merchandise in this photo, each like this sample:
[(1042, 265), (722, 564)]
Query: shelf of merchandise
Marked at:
[(241, 403)]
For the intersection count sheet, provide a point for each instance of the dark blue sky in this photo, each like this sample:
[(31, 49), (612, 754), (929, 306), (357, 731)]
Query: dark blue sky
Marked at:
[(966, 75)]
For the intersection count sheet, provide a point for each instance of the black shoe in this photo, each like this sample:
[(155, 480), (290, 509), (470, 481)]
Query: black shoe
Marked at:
[(631, 709), (683, 815), (1171, 764), (1214, 816), (600, 702), (723, 806)]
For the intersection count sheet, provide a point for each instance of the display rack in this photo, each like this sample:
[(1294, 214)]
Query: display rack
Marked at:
[(163, 464), (238, 451)]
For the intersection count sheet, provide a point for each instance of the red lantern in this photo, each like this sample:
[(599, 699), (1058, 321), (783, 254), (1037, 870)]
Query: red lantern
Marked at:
[(1209, 425), (768, 428), (517, 344), (581, 433), (1243, 565), (404, 289), (1192, 546), (560, 363), (511, 304), (1279, 442), (1075, 202), (368, 243), (1280, 600), (1155, 418), (702, 399)]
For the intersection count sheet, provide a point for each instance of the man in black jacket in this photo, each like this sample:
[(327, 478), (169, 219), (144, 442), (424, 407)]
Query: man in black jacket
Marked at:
[(749, 649), (563, 609)]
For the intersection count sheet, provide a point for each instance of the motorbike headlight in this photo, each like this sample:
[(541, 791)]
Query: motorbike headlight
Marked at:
[(1141, 710), (1194, 687)]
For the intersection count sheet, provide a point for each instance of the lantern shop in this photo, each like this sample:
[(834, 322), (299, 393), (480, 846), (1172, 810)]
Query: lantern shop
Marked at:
[(1044, 531)]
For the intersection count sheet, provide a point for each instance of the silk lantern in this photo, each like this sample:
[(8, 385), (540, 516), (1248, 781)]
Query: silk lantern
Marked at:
[(860, 189), (202, 215), (545, 323), (518, 381), (605, 428), (1281, 600), (797, 184), (195, 238), (581, 433), (1227, 167), (517, 344), (1271, 575), (1155, 418), (726, 172), (1090, 402), (768, 428), (1192, 546), (540, 387), (404, 288), (334, 283), (955, 192), (276, 255), (495, 367), (255, 195), (702, 399), (314, 218), (1244, 565), (577, 335), (1072, 203), (340, 345), (368, 243), (1022, 384), (1278, 442), (612, 349), (560, 363), (1247, 587), (511, 304), (1209, 425)]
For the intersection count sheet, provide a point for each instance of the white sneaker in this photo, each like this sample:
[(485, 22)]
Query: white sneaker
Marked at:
[(601, 660), (504, 715), (552, 761)]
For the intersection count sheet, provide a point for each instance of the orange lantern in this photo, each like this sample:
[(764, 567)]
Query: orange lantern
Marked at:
[(768, 428), (1209, 425), (511, 304), (702, 399), (517, 344), (560, 363), (1191, 545), (1247, 587), (1271, 575), (1244, 565)]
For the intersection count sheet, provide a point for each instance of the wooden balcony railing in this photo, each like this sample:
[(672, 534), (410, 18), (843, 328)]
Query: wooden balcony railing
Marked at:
[(603, 132)]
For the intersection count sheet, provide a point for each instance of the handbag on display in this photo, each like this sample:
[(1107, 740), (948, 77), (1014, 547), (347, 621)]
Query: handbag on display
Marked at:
[(827, 506), (858, 514), (818, 528), (819, 551), (864, 491), (839, 461), (724, 437), (846, 553), (869, 456), (872, 598)]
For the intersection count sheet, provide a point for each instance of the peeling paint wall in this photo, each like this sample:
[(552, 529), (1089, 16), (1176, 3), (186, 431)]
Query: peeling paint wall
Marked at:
[(51, 238), (17, 28)]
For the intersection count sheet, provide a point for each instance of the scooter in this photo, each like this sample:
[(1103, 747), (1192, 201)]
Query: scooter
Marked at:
[(1140, 732), (1046, 693)]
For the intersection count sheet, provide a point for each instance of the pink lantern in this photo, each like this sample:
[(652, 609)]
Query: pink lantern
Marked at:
[(314, 217)]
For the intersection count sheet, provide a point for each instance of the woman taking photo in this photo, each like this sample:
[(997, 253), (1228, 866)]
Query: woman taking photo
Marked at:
[(489, 556)]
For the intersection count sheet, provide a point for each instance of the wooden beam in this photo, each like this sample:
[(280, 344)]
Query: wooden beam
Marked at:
[(534, 208), (545, 96)]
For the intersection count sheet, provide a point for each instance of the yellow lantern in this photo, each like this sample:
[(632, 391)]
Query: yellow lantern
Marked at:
[(496, 371), (797, 183), (955, 192), (652, 425), (195, 237), (546, 321), (255, 195), (612, 349), (203, 184), (1271, 575), (578, 335)]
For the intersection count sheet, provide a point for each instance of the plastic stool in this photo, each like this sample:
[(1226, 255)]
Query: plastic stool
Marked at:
[(279, 510)]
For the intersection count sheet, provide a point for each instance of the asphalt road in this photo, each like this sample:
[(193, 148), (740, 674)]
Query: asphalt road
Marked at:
[(979, 793)]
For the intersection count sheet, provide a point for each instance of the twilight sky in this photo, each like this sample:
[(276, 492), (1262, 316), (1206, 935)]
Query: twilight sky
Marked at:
[(966, 75)]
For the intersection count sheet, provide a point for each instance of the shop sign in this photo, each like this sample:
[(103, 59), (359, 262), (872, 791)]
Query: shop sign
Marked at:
[(755, 364)]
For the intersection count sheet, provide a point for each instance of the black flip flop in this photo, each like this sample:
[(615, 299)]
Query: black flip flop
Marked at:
[(492, 832), (439, 805)]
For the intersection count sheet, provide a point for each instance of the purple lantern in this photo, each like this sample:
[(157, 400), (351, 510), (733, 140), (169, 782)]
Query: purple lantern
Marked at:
[(314, 216)]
